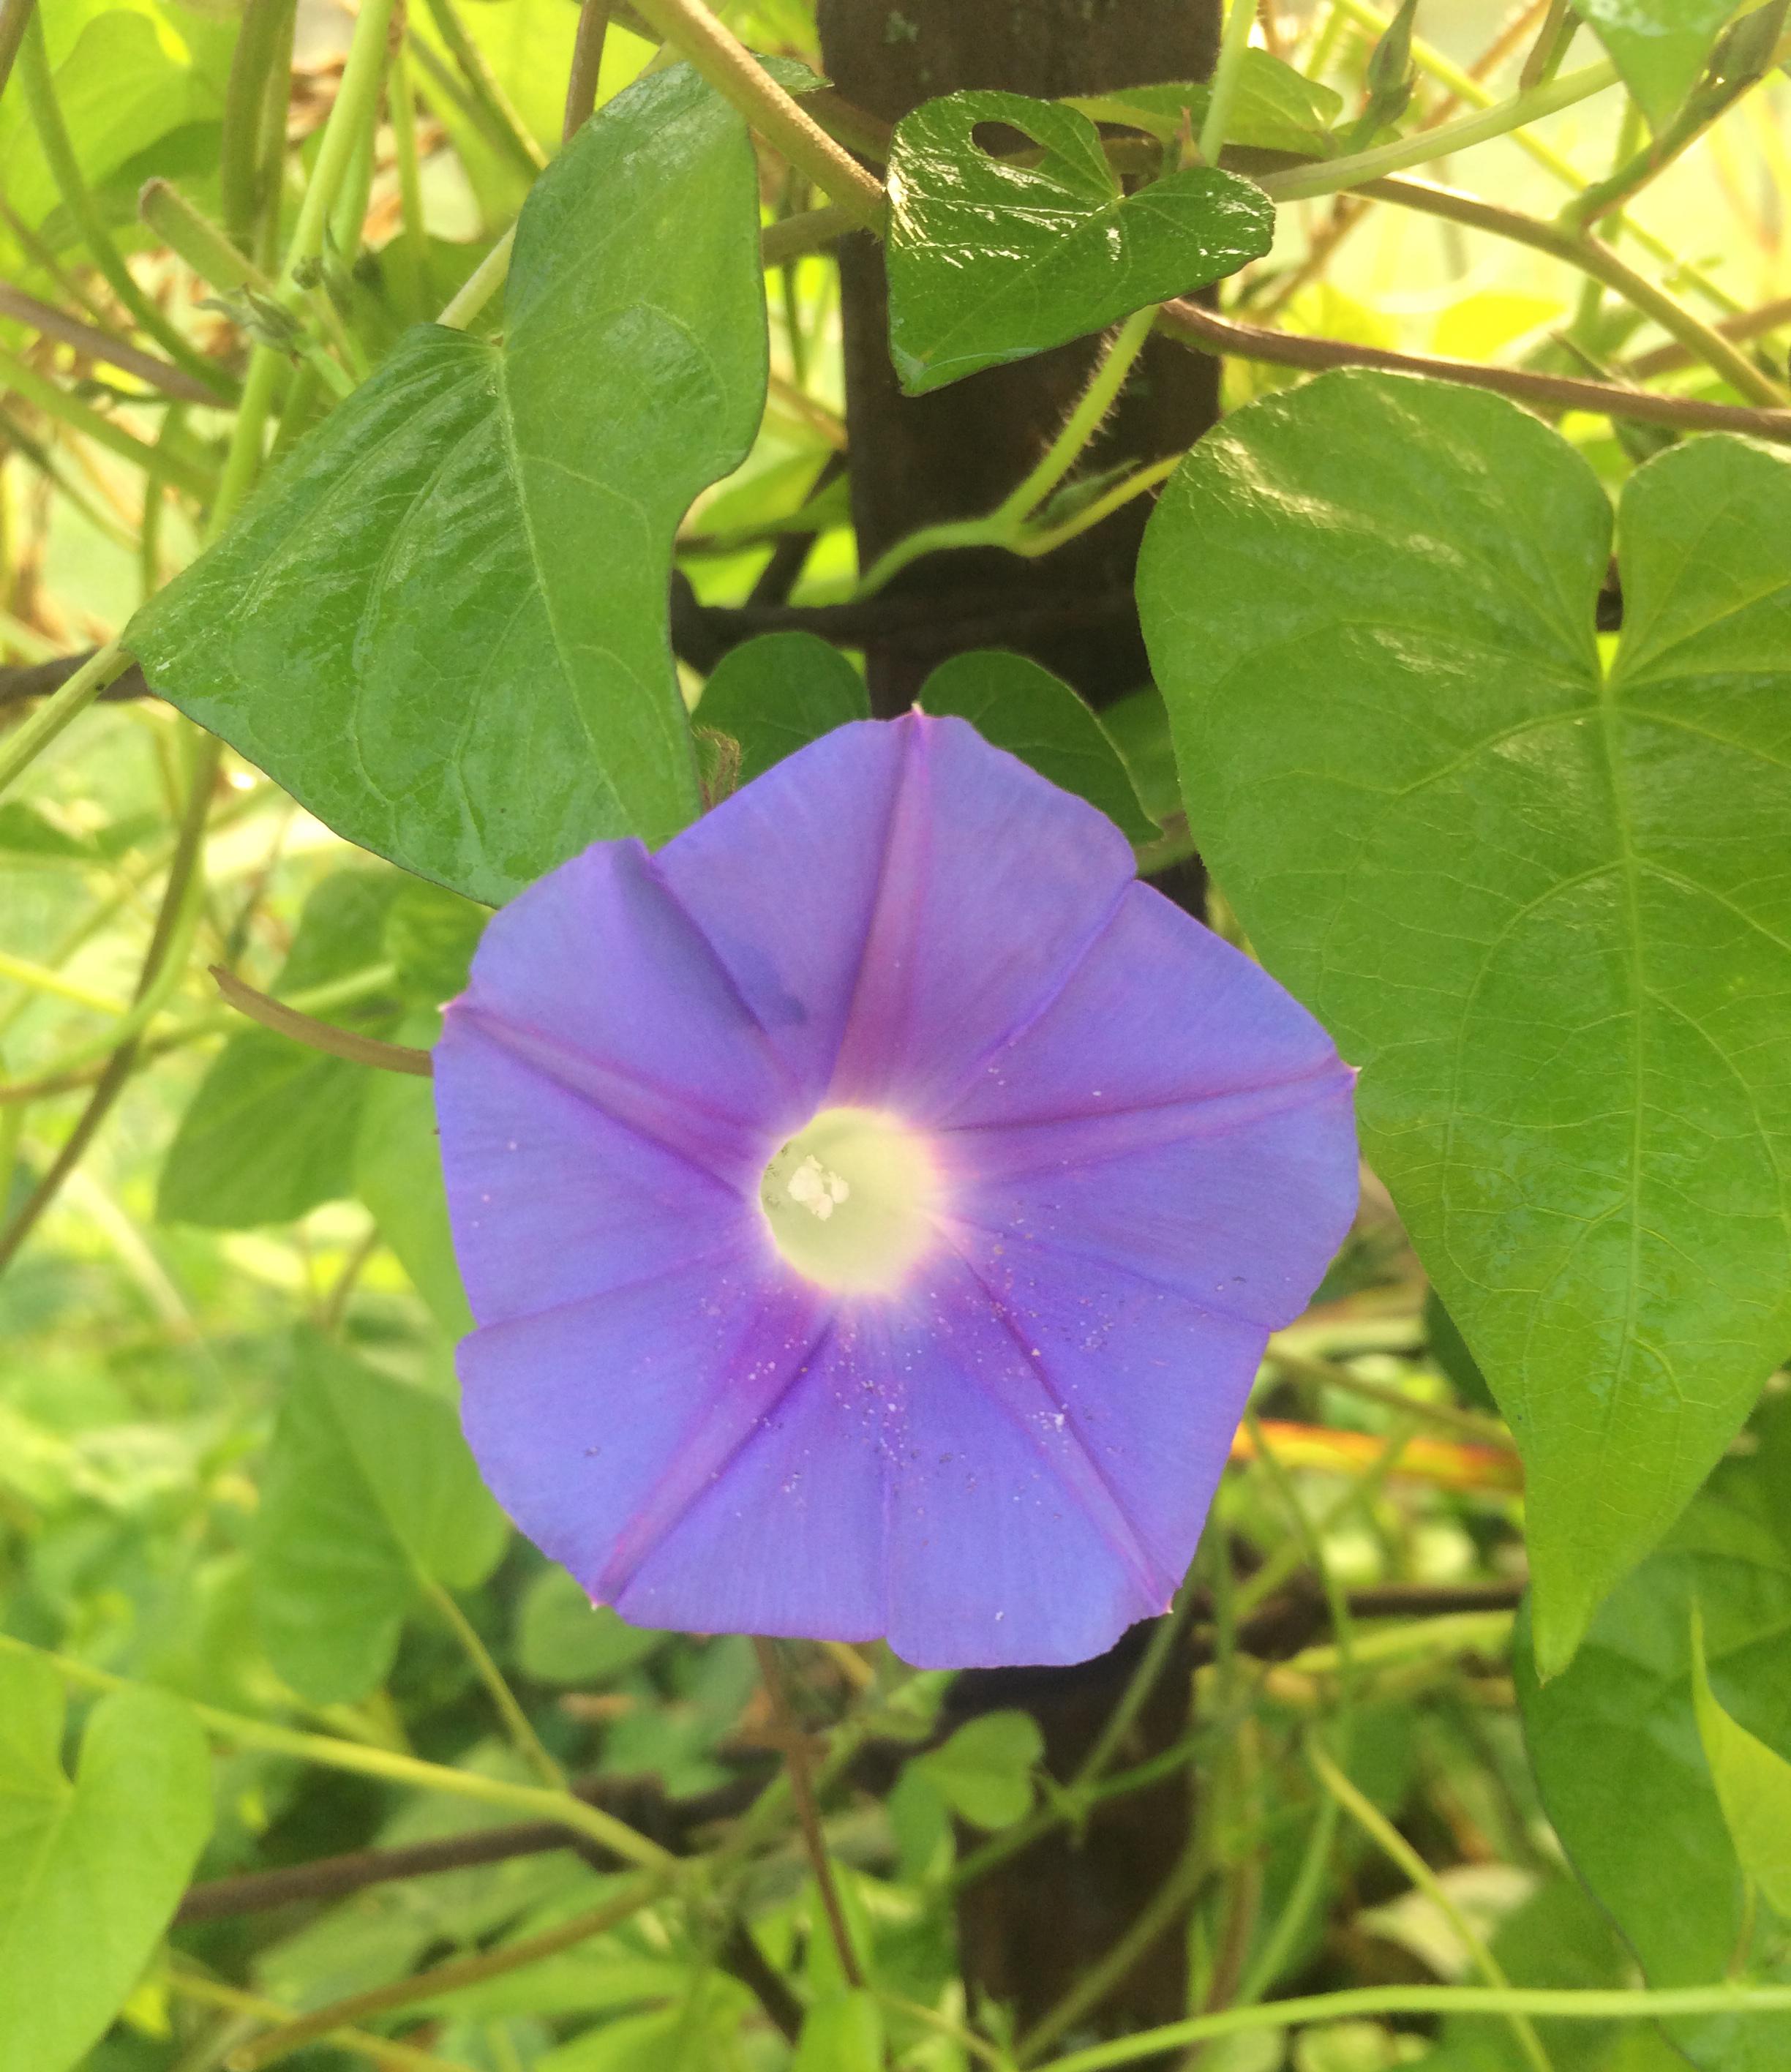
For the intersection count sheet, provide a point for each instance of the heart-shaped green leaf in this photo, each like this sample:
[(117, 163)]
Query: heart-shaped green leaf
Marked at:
[(369, 1492), (775, 694), (1615, 1744), (991, 260), (441, 625), (1544, 905), (90, 1870), (1019, 705)]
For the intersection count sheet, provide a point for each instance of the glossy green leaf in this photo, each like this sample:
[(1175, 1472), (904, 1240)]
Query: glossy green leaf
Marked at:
[(441, 624), (990, 262), (1546, 909), (776, 693), (984, 1771), (1753, 1785), (369, 1491), (1659, 46), (271, 1132), (563, 1638), (91, 1870), (1614, 1739), (1273, 108), (1019, 705)]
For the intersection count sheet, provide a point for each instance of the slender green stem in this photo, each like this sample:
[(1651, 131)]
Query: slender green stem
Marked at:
[(1577, 249), (454, 1976), (735, 74), (23, 380), (1275, 1571), (1271, 1958), (516, 1721), (53, 136), (1333, 175), (1634, 2003), (356, 109), (382, 2050), (1154, 1920), (992, 532), (1132, 1699), (204, 248), (1232, 43), (1085, 419), (260, 42), (481, 284), (169, 941), (25, 743), (401, 104), (808, 1811), (587, 64), (40, 978), (15, 16), (1045, 539), (386, 1764), (1467, 1425), (1398, 1850), (514, 136), (243, 462), (96, 343)]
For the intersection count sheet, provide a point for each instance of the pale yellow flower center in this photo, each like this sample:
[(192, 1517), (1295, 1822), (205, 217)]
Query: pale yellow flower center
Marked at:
[(849, 1199)]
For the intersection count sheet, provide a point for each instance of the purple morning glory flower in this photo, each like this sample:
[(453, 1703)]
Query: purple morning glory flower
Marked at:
[(874, 1206)]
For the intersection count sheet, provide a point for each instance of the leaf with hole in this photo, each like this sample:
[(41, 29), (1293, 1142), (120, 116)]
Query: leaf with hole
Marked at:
[(1546, 906), (992, 260), (441, 624), (91, 1870), (369, 1492), (1018, 705), (1615, 1735)]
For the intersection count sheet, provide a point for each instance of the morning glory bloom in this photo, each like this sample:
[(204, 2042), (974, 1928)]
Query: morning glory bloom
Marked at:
[(874, 1205)]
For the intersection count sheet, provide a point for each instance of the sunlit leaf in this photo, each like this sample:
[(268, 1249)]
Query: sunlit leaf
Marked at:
[(442, 624), (1547, 909), (90, 1870), (990, 262)]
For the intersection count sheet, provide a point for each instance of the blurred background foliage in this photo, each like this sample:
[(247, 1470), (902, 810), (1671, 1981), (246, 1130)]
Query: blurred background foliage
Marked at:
[(229, 1462)]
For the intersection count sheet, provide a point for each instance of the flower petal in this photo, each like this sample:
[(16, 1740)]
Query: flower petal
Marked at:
[(553, 1200), (599, 973), (596, 1423), (912, 896)]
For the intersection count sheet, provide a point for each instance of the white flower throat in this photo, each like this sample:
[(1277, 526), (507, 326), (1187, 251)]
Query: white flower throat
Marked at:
[(850, 1198)]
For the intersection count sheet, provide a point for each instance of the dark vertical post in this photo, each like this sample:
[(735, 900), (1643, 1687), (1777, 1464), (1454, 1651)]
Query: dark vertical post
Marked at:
[(1030, 1927)]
